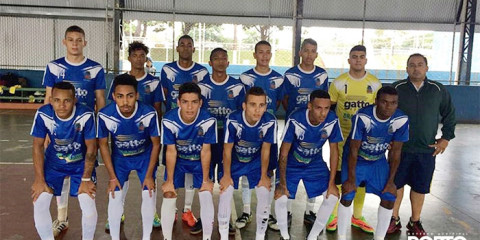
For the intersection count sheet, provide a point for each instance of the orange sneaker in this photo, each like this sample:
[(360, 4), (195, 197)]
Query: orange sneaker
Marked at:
[(189, 218), (332, 224), (362, 224)]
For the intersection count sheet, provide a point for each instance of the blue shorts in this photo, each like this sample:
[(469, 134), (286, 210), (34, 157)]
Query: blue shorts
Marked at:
[(272, 165), (315, 179), (54, 179), (373, 173), (251, 170), (124, 166), (181, 168), (416, 170)]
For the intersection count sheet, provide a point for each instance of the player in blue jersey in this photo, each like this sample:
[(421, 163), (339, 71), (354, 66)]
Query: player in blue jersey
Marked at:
[(187, 133), (71, 152), (149, 91), (305, 133), (172, 76), (134, 131), (375, 129), (249, 135), (88, 78), (272, 83)]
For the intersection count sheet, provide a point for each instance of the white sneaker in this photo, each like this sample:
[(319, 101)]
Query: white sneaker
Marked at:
[(59, 226)]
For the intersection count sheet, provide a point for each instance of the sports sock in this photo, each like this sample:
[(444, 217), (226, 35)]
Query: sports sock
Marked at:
[(358, 202), (282, 215), (344, 218), (224, 212), (167, 214), (263, 206), (335, 210), (148, 211), (310, 205), (115, 212), (322, 215), (126, 184), (189, 192), (42, 217), (271, 194), (207, 213), (89, 216), (383, 221), (62, 200), (246, 195), (289, 205)]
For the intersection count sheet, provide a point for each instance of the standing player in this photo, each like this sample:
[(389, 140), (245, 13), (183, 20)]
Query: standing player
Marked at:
[(134, 132), (375, 128), (272, 84), (173, 75), (300, 81), (88, 78), (351, 91), (71, 152), (249, 135), (187, 133), (306, 131)]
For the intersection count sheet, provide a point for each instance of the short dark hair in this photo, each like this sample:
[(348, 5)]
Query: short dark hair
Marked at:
[(74, 28), (319, 94), (308, 41), (263, 42), (64, 86), (136, 45), (387, 90), (255, 91), (217, 50), (186, 36), (189, 87), (418, 55), (124, 79), (359, 48)]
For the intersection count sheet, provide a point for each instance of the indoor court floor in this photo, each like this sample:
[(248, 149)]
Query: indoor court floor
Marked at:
[(452, 208)]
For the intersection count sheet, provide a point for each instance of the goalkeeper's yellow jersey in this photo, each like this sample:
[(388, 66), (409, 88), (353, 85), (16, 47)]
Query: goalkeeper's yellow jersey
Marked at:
[(351, 94)]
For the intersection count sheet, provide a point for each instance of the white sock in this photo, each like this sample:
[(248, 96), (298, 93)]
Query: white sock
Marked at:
[(272, 193), (148, 211), (383, 220), (189, 192), (42, 217), (310, 205), (62, 200), (282, 215), (125, 186), (207, 213), (246, 195), (323, 214), (263, 206), (344, 218), (89, 216), (167, 214), (224, 212), (115, 212), (289, 205)]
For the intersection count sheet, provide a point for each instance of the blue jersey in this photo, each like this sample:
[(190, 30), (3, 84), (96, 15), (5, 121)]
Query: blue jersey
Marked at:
[(220, 99), (86, 77), (172, 76), (248, 139), (307, 140), (67, 136), (149, 90), (377, 134), (188, 138), (299, 84), (130, 136), (271, 83)]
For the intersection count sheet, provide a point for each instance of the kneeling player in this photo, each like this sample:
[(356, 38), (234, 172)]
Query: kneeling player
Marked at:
[(71, 153), (134, 131), (187, 133), (374, 128), (306, 131), (248, 137)]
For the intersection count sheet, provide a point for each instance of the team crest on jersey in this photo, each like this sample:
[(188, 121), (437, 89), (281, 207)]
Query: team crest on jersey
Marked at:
[(230, 94), (318, 82), (390, 129), (369, 89), (260, 135), (78, 126), (195, 79), (147, 89), (323, 134), (272, 84), (141, 127), (200, 132), (87, 75)]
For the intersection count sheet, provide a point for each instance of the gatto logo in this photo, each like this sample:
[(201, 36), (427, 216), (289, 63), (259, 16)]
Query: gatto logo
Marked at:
[(437, 238)]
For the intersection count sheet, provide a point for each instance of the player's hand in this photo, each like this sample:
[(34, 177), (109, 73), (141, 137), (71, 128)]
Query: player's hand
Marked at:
[(168, 187), (112, 184), (38, 187), (207, 186), (225, 182), (333, 190), (150, 184), (88, 188), (264, 182), (348, 186), (281, 190), (440, 146), (390, 188)]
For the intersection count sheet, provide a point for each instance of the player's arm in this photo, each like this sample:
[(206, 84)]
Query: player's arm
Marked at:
[(265, 157), (170, 161), (48, 94), (227, 164), (39, 185), (205, 157), (107, 160), (332, 188), (148, 181), (99, 99), (285, 103), (282, 167), (158, 108), (87, 186), (350, 185), (394, 155)]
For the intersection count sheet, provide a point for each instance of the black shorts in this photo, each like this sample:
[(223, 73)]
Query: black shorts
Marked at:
[(416, 170)]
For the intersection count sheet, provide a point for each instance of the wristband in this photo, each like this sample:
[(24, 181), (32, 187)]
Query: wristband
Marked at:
[(86, 179), (112, 180)]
